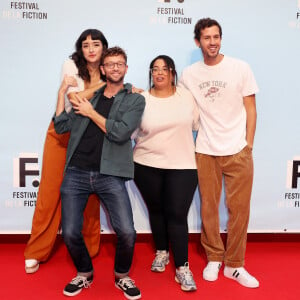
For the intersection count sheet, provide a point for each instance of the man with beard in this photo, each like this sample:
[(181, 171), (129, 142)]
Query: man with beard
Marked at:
[(99, 160), (225, 89)]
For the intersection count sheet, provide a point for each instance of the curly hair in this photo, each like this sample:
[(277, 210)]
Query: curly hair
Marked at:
[(113, 51), (205, 23)]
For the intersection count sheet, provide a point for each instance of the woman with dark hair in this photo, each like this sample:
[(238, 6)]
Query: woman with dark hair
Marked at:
[(165, 167), (80, 75)]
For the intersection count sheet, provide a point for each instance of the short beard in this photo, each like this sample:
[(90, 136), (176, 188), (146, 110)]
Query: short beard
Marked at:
[(111, 80)]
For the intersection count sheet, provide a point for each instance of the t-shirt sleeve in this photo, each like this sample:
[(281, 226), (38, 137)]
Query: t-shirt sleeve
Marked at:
[(249, 83)]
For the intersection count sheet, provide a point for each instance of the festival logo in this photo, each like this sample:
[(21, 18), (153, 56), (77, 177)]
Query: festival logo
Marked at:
[(26, 165), (23, 11), (25, 180), (296, 22), (293, 173), (170, 12), (291, 198)]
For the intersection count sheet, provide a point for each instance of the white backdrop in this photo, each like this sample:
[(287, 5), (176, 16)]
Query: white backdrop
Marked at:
[(36, 37)]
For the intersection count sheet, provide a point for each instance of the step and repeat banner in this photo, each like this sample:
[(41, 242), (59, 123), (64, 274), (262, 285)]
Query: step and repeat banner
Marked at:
[(36, 38)]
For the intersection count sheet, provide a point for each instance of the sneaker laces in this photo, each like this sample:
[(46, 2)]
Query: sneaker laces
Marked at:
[(187, 273), (160, 257), (127, 281), (78, 279)]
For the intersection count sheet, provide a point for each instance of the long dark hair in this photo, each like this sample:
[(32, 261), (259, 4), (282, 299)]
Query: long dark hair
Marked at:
[(170, 64), (78, 57)]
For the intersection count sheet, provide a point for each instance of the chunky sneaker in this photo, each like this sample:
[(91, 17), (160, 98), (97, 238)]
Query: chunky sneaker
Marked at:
[(211, 271), (241, 276), (184, 276), (160, 261), (77, 284), (127, 285), (31, 266)]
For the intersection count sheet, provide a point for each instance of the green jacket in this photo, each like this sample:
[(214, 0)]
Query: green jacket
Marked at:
[(124, 117)]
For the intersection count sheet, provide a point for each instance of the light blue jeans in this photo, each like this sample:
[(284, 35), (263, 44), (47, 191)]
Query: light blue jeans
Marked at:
[(76, 187)]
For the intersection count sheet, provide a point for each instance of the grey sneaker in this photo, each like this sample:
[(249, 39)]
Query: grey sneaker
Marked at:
[(160, 261), (184, 276)]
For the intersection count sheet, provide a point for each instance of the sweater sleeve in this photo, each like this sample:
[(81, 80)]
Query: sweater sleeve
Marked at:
[(69, 68)]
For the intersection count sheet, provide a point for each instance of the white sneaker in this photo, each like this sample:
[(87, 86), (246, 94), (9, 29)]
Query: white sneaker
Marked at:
[(211, 271), (160, 261), (241, 276), (31, 266)]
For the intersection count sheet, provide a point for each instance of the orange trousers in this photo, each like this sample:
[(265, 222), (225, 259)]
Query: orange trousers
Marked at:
[(47, 215)]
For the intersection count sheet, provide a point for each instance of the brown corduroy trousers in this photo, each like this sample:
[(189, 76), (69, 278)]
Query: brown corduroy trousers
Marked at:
[(237, 171), (47, 215)]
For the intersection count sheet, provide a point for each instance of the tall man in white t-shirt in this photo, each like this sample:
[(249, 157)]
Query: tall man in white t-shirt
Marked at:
[(225, 90)]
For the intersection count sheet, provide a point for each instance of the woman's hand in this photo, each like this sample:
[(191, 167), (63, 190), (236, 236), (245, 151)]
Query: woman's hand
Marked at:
[(66, 83)]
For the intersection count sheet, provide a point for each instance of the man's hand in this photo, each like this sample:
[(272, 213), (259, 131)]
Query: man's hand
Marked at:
[(136, 90), (82, 106)]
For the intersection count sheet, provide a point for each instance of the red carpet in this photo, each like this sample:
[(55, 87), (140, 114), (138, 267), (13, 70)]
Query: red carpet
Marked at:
[(275, 264)]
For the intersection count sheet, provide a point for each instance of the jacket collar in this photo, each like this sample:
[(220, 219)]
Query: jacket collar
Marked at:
[(127, 88)]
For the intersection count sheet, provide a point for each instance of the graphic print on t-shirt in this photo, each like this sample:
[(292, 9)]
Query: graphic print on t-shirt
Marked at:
[(212, 89)]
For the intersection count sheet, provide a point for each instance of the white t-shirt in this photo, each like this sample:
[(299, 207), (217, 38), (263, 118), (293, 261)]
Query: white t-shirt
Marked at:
[(69, 68), (165, 139), (219, 92)]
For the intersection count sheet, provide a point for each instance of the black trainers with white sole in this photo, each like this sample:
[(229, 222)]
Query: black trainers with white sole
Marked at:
[(77, 284), (127, 285)]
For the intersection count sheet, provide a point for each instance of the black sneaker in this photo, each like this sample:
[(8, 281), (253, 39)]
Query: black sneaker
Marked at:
[(127, 285), (77, 284)]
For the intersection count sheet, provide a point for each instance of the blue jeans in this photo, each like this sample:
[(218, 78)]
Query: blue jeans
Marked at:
[(76, 187)]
